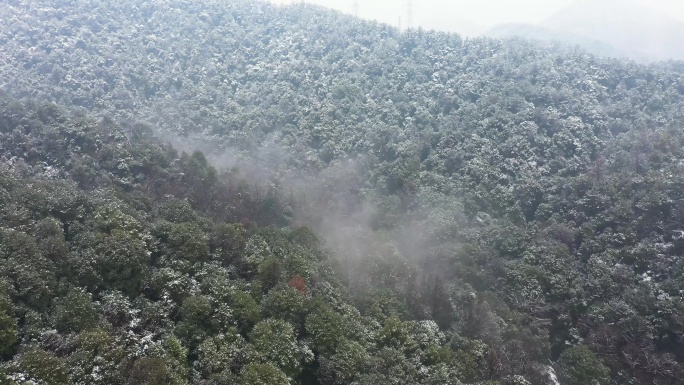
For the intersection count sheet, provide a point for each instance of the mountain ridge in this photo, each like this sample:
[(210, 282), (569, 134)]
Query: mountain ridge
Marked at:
[(623, 29)]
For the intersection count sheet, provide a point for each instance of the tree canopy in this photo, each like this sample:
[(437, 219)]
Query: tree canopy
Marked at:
[(407, 207)]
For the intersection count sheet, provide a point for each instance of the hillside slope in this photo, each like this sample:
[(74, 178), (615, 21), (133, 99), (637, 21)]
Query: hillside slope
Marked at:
[(125, 262), (526, 199)]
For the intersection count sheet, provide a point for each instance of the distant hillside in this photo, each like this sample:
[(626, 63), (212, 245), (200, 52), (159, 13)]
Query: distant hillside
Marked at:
[(613, 28), (536, 32)]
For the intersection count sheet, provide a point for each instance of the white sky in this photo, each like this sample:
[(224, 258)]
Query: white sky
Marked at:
[(470, 16)]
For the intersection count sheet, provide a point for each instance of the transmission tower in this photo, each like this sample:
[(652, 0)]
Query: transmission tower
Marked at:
[(356, 8), (409, 14)]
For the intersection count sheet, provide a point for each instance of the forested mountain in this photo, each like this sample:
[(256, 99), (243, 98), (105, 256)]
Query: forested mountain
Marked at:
[(608, 28), (483, 212)]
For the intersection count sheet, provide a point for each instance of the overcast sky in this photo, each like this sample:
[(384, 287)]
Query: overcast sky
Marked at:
[(470, 16)]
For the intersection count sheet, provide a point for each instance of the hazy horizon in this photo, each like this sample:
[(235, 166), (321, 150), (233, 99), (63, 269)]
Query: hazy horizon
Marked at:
[(470, 17)]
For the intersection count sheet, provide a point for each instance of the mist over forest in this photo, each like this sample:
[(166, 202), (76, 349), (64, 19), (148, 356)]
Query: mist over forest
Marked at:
[(235, 192)]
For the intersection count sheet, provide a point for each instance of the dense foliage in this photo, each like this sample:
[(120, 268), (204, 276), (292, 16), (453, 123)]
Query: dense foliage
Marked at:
[(117, 271), (493, 206)]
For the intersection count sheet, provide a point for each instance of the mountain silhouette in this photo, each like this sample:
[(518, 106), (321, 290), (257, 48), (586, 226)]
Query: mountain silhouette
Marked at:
[(609, 28)]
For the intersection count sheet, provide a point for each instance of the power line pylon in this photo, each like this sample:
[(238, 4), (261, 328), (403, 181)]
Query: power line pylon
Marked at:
[(409, 14)]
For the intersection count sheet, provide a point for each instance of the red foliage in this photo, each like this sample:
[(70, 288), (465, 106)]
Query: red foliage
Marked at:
[(299, 284)]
